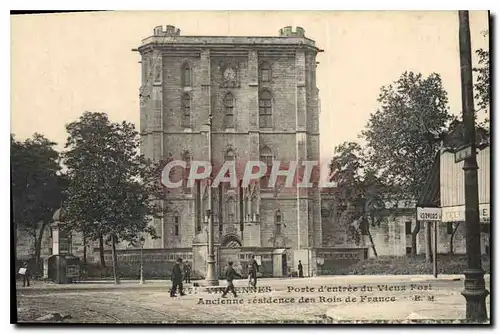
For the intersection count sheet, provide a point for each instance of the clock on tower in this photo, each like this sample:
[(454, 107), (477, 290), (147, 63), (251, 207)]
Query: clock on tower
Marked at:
[(229, 74)]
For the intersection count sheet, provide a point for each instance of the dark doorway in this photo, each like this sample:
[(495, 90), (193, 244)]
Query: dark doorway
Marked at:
[(283, 265)]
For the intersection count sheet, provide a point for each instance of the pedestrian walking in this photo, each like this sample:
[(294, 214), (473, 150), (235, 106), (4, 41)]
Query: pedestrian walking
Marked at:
[(24, 271), (301, 270), (230, 275), (187, 273), (253, 268), (177, 279)]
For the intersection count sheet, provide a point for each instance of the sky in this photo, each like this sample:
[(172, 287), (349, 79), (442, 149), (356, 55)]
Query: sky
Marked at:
[(65, 64)]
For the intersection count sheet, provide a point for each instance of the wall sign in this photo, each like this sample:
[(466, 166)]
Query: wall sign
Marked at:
[(429, 214), (457, 213)]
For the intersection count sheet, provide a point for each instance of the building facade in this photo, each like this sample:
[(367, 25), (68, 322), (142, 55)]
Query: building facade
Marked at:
[(262, 97), (392, 237), (452, 196)]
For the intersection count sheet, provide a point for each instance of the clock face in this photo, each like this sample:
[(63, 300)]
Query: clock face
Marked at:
[(229, 74)]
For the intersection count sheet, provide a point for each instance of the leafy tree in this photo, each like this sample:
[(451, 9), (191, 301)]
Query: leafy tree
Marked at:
[(113, 191), (482, 85), (401, 134), (359, 193), (36, 187)]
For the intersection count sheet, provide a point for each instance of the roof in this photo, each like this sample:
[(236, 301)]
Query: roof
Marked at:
[(170, 38)]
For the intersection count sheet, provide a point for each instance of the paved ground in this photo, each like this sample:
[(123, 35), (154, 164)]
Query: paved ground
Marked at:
[(390, 298)]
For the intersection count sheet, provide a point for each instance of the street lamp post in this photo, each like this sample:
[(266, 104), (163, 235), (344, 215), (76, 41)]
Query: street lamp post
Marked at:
[(474, 287), (211, 278), (142, 260)]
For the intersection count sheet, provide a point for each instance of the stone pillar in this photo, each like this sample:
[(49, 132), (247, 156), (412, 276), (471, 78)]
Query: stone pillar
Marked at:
[(205, 81), (151, 109), (252, 232), (253, 96), (301, 149), (302, 197), (300, 73)]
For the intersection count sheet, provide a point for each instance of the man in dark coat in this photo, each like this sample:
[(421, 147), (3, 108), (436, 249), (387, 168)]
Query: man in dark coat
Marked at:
[(253, 268), (230, 275), (177, 278), (301, 270)]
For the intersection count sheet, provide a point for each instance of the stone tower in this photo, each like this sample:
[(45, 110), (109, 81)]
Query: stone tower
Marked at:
[(262, 95)]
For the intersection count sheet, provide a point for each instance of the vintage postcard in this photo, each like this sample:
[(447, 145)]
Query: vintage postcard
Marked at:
[(251, 167)]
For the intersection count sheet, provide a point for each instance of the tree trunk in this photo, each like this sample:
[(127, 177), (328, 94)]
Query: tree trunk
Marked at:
[(428, 243), (38, 246), (115, 259), (15, 239), (38, 249), (372, 243), (101, 251), (452, 236), (84, 248), (414, 234)]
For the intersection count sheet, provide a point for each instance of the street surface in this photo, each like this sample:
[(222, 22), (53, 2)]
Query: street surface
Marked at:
[(295, 299)]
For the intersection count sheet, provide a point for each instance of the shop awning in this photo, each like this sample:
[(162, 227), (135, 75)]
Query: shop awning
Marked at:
[(430, 196)]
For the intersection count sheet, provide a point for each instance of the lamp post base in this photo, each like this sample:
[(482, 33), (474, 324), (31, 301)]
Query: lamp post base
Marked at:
[(475, 295), (211, 278), (141, 280)]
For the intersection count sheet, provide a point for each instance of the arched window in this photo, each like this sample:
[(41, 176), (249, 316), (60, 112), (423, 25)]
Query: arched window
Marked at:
[(229, 111), (265, 72), (186, 75), (266, 156), (278, 220), (177, 222), (186, 108), (265, 109)]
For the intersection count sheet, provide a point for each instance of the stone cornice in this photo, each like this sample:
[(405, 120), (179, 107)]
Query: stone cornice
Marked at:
[(145, 133), (227, 44)]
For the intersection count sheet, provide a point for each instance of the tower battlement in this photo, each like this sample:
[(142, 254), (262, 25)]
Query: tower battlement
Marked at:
[(166, 31), (288, 32)]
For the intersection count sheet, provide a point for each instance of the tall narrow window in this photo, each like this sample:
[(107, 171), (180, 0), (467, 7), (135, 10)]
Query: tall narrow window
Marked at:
[(229, 111), (185, 174), (176, 225), (186, 108), (186, 75), (265, 109), (230, 209), (265, 72), (254, 204), (278, 219)]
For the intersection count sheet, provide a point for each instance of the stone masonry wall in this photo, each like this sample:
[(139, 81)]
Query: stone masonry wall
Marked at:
[(207, 91)]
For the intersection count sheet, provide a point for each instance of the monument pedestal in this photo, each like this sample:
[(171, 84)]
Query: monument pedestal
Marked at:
[(200, 255), (61, 267)]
